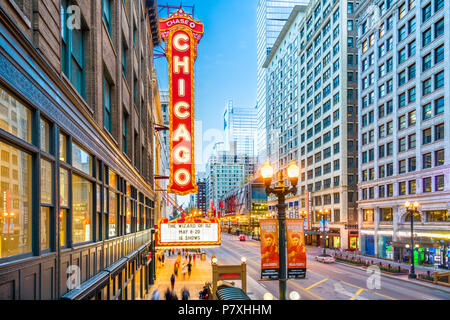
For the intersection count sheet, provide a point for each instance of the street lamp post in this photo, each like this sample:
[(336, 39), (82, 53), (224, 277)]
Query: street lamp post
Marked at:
[(323, 212), (411, 208), (280, 191)]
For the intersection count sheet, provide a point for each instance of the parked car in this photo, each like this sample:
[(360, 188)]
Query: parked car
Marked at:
[(242, 238), (325, 258)]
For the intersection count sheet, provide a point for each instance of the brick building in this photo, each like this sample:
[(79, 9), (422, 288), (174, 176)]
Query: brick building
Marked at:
[(77, 101)]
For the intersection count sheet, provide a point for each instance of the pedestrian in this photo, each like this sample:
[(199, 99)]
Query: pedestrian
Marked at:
[(185, 294), (185, 255), (194, 257), (163, 258), (190, 258), (189, 266), (184, 270), (156, 294), (175, 269), (172, 281), (168, 294)]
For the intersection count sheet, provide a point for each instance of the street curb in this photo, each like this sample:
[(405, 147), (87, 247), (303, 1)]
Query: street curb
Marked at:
[(418, 282)]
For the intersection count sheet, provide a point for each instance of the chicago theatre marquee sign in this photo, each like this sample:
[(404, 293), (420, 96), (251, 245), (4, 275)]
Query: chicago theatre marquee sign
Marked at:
[(181, 35)]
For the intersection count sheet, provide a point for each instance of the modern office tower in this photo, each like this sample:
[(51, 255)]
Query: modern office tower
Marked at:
[(225, 172), (271, 17), (77, 148), (404, 128), (201, 196), (312, 116), (239, 125)]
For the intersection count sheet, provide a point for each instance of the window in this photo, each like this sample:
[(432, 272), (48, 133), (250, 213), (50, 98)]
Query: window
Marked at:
[(402, 188), (106, 9), (82, 209), (412, 48), (426, 86), (402, 122), (412, 118), (427, 185), (112, 217), (426, 37), (412, 164), (439, 54), (426, 12), (73, 53), (439, 28), (426, 62), (412, 187), (125, 133), (439, 106), (107, 99), (439, 80), (412, 25), (439, 183), (401, 11), (390, 169), (402, 33), (19, 206), (412, 141), (426, 134), (386, 214), (427, 160), (438, 4), (81, 160), (402, 166), (402, 78), (402, 144), (402, 55), (439, 132), (427, 113), (439, 158), (381, 172), (412, 95)]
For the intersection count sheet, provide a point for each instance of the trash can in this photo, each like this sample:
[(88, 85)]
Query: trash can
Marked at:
[(203, 255)]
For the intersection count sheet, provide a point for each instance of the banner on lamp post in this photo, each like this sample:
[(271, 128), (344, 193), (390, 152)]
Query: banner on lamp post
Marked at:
[(270, 267), (181, 35), (296, 250)]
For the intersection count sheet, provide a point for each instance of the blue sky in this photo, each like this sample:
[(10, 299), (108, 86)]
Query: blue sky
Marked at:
[(225, 67), (226, 63)]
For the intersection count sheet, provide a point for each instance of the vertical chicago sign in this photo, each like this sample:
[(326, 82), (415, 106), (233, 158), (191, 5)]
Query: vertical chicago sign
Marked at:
[(181, 35)]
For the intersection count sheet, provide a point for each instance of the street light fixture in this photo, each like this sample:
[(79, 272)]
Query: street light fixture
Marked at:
[(280, 191), (411, 208), (323, 212)]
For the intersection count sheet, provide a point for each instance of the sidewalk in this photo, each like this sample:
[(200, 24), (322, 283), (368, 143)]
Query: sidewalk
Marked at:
[(201, 273)]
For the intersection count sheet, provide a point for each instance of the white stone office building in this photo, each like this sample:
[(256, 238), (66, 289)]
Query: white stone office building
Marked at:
[(311, 110), (271, 15), (404, 126)]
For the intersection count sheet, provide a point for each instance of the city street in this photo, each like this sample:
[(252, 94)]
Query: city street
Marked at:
[(323, 282)]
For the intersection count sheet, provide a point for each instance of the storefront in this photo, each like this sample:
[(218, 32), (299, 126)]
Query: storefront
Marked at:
[(367, 245), (385, 247), (352, 240)]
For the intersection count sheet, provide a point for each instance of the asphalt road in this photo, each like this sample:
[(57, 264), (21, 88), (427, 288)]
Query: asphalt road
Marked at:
[(323, 281)]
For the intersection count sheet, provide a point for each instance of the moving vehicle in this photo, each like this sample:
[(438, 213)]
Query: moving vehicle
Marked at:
[(242, 238), (325, 258)]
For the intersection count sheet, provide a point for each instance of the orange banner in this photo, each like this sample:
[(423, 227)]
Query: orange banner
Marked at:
[(269, 249), (296, 250)]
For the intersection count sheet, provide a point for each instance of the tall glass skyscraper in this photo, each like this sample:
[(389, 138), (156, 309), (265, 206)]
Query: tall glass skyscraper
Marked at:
[(240, 129), (271, 17)]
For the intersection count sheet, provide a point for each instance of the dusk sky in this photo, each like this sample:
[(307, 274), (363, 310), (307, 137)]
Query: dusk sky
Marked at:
[(226, 64)]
